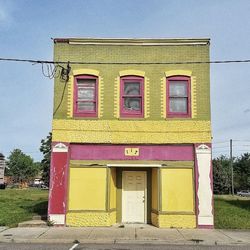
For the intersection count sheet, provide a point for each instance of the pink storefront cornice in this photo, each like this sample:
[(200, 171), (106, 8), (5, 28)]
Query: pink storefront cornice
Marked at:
[(117, 152)]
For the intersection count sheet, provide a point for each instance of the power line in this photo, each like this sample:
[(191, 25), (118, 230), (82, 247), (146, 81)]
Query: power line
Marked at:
[(242, 140), (221, 142), (218, 151), (80, 62), (235, 145), (65, 76), (61, 100), (220, 147)]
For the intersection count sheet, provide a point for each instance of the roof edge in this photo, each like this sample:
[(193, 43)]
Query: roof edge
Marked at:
[(134, 41)]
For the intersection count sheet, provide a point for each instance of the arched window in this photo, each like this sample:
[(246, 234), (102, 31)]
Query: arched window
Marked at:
[(85, 96), (178, 96), (132, 96)]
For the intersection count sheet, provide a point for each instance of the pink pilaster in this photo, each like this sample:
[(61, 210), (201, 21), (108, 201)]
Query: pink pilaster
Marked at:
[(58, 183)]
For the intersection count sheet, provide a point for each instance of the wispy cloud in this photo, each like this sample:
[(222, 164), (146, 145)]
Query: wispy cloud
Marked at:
[(6, 9), (3, 14), (247, 111)]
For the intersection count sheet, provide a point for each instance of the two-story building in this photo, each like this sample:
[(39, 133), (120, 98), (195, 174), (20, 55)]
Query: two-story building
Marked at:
[(131, 137)]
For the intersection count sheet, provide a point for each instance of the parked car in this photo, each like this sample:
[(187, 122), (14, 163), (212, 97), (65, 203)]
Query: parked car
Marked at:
[(38, 182), (244, 193), (44, 187)]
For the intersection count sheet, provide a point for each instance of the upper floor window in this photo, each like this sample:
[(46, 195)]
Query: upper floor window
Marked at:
[(132, 96), (85, 96), (178, 96)]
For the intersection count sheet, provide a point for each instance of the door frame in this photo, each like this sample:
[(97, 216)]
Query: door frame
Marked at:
[(145, 194)]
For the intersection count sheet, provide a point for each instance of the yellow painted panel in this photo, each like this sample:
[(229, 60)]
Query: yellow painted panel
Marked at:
[(176, 221), (113, 188), (112, 217), (131, 137), (132, 126), (178, 72), (155, 188), (132, 72), (104, 131), (70, 96), (177, 190), (85, 72), (146, 97), (117, 97), (163, 98), (194, 96), (87, 189), (90, 219)]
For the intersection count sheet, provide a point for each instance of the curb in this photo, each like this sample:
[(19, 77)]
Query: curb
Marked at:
[(121, 241)]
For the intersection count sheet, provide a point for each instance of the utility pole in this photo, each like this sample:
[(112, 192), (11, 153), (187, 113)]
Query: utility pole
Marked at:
[(231, 163)]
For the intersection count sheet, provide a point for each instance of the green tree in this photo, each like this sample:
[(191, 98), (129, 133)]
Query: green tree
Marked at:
[(221, 175), (21, 166), (45, 148), (242, 172)]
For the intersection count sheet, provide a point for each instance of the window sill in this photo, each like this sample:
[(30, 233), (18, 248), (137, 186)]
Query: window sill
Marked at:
[(178, 118), (84, 118), (132, 118)]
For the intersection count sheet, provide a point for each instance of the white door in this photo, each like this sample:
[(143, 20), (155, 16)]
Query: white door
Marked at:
[(134, 191)]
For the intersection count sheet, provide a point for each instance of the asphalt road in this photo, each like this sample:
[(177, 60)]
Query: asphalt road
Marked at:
[(25, 246)]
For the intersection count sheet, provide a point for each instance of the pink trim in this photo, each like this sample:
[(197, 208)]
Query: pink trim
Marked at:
[(58, 170), (117, 152), (131, 113), (51, 174), (85, 113), (196, 185), (206, 227), (66, 184), (179, 114)]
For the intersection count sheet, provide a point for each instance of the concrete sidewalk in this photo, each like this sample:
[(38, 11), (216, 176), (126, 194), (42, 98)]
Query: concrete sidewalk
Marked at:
[(128, 234)]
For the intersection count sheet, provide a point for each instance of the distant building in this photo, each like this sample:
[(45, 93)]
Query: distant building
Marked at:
[(2, 168), (131, 139)]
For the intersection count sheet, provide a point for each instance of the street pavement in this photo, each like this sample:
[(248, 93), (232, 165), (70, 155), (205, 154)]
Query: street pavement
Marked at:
[(145, 235), (45, 246)]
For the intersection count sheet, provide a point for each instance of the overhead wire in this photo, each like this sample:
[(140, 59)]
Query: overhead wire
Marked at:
[(221, 142), (51, 73), (93, 62), (61, 100), (64, 76)]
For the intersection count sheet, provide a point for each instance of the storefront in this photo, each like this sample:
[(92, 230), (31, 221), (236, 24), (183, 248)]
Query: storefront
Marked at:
[(109, 184)]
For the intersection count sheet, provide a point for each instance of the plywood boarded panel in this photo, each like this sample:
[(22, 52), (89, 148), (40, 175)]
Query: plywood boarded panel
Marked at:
[(87, 189), (177, 190)]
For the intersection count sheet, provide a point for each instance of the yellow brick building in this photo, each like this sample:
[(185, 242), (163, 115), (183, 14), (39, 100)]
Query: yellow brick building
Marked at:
[(132, 133)]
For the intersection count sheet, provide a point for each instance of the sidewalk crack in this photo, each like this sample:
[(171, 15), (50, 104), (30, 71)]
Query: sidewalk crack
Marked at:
[(226, 235), (180, 233), (92, 229), (42, 233), (4, 229)]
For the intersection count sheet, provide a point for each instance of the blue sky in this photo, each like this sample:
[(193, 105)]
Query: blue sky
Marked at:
[(26, 27)]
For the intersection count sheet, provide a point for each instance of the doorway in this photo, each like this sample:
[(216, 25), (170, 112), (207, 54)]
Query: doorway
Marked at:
[(134, 197)]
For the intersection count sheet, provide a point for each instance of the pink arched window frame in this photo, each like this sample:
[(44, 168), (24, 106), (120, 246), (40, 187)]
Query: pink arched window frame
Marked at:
[(85, 113), (131, 113), (187, 114)]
